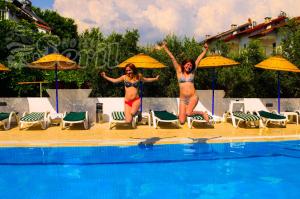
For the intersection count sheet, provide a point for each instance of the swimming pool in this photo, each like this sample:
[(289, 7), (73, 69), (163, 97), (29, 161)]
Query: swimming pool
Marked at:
[(199, 170)]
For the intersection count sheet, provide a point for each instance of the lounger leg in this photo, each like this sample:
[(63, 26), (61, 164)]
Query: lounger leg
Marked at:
[(238, 123), (86, 121), (6, 125), (284, 123), (190, 124), (234, 122), (86, 125), (154, 123), (44, 125), (21, 125), (266, 123), (63, 125), (149, 120), (212, 123), (261, 124)]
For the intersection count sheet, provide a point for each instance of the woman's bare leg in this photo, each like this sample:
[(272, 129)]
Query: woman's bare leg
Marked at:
[(135, 106), (131, 111), (191, 106), (193, 101), (182, 112), (128, 116)]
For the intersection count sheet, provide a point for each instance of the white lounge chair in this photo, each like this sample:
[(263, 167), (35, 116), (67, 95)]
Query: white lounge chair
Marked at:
[(199, 119), (256, 106), (118, 117), (30, 119), (6, 119), (163, 116), (71, 118), (240, 115)]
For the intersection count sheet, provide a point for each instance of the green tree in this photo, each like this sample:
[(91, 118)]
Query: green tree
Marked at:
[(241, 80), (21, 43), (291, 50), (99, 53)]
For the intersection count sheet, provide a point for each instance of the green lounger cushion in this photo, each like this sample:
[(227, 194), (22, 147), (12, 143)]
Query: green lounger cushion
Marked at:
[(4, 116), (33, 117), (200, 117), (246, 116), (74, 116), (165, 115), (118, 115), (269, 115)]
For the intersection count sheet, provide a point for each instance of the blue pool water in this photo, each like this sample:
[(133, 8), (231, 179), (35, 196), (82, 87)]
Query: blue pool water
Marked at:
[(200, 170)]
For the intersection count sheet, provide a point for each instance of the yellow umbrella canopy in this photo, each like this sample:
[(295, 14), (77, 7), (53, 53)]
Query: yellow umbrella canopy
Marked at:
[(51, 61), (213, 61), (277, 63), (143, 61), (3, 68), (54, 62)]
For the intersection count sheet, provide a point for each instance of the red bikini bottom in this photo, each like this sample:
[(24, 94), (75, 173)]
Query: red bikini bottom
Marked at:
[(130, 102)]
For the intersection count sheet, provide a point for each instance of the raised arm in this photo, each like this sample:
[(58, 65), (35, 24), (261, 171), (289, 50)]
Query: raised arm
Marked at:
[(175, 63), (145, 79), (202, 54), (113, 80)]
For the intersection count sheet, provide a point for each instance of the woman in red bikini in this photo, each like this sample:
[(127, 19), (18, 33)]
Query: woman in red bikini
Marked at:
[(185, 75), (131, 81)]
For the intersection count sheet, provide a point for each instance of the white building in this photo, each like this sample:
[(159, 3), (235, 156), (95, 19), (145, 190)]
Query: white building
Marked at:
[(238, 37), (16, 10)]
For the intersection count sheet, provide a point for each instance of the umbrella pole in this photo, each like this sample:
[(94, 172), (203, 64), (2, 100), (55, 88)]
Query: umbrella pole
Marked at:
[(41, 90), (278, 91), (213, 93), (141, 106), (56, 88)]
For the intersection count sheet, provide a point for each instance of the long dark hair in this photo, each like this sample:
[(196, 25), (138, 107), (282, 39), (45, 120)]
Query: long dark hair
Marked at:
[(133, 68), (187, 61)]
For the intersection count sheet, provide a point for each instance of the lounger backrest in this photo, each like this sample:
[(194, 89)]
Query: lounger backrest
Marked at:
[(254, 104), (236, 106), (201, 107)]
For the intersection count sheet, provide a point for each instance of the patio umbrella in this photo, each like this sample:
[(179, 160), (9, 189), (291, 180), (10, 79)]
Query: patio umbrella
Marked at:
[(40, 83), (278, 63), (54, 62), (215, 61), (144, 62), (3, 68)]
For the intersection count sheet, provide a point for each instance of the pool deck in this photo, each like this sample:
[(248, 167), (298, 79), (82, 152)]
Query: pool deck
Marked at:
[(100, 135)]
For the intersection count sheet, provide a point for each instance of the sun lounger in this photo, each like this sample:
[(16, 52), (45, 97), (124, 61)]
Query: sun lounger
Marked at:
[(163, 116), (199, 119), (119, 117), (30, 119), (6, 119), (257, 107), (245, 117), (75, 118), (269, 117), (241, 116)]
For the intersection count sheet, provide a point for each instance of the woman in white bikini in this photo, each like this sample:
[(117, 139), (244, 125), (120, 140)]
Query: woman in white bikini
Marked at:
[(185, 75), (131, 81)]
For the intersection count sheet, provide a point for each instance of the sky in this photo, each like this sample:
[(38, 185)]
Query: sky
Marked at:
[(157, 18)]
